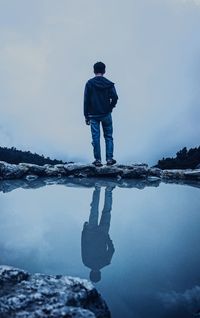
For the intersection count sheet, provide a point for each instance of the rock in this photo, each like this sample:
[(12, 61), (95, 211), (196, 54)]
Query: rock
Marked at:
[(10, 171), (55, 171), (153, 179), (34, 169), (109, 172), (40, 296), (192, 174), (78, 170), (11, 275), (135, 171), (173, 174), (31, 177), (156, 172)]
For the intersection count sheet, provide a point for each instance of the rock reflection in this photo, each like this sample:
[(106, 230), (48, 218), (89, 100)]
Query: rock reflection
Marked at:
[(97, 248)]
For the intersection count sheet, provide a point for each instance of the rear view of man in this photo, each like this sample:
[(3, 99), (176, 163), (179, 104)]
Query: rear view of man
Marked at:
[(100, 97)]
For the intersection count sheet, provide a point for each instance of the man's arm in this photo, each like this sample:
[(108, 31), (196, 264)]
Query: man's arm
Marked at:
[(113, 97), (110, 250), (86, 101)]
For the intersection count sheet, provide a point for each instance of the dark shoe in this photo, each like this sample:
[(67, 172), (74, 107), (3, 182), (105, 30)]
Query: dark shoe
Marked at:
[(111, 162), (97, 163)]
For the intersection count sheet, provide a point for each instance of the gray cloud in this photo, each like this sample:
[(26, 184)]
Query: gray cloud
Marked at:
[(151, 49), (5, 136), (189, 299)]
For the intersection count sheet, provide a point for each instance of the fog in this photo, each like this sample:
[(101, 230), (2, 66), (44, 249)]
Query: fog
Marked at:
[(151, 50)]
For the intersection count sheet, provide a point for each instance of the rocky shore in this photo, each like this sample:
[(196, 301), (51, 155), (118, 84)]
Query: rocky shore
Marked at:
[(23, 295), (134, 171)]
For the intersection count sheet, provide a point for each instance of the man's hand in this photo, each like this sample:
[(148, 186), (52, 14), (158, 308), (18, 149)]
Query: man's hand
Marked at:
[(87, 121)]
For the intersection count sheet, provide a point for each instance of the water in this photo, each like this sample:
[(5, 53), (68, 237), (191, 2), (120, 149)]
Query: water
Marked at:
[(147, 243)]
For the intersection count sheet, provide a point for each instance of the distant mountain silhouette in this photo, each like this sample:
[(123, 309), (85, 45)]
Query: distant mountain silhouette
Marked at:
[(12, 155), (185, 159)]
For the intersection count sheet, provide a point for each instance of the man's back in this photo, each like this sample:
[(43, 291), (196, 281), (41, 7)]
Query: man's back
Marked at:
[(99, 97), (96, 248)]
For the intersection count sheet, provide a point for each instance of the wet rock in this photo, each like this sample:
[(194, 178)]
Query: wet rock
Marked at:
[(40, 296), (109, 172), (31, 177), (54, 171), (89, 170), (153, 178), (156, 172), (134, 171), (11, 171), (192, 174), (80, 170), (173, 174), (33, 169), (11, 275)]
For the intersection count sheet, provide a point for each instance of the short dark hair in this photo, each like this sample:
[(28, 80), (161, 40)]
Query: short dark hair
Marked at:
[(95, 276), (99, 67)]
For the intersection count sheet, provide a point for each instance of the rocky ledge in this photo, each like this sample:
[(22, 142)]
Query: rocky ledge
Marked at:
[(23, 295), (134, 171)]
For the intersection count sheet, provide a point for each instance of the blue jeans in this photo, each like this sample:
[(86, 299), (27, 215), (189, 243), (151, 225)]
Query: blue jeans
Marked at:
[(104, 223), (106, 122)]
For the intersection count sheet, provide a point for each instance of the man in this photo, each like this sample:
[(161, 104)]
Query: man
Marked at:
[(100, 97), (97, 248)]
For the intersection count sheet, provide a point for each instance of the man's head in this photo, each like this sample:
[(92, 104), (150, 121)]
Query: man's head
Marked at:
[(95, 276), (99, 68)]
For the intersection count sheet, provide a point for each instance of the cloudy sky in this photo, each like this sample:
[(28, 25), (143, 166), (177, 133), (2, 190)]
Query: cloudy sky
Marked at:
[(152, 52)]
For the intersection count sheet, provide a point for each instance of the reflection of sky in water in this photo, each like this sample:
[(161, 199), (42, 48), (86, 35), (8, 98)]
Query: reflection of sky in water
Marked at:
[(154, 271)]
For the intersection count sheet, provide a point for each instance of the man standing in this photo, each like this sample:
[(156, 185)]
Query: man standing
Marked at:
[(100, 97)]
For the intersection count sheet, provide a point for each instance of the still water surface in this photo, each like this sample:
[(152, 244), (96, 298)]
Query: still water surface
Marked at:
[(140, 247)]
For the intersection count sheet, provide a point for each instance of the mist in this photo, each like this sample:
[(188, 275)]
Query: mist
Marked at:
[(151, 50)]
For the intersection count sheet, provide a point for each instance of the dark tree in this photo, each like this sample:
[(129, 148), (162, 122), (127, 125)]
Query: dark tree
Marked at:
[(12, 155), (185, 159), (182, 154)]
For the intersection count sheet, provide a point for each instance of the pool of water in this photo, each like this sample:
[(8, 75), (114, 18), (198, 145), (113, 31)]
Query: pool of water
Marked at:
[(139, 245)]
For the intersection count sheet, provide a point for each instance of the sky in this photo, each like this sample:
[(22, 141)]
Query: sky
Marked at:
[(151, 49)]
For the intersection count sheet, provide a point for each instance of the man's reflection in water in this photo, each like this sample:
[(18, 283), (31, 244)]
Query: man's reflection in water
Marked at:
[(96, 246)]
